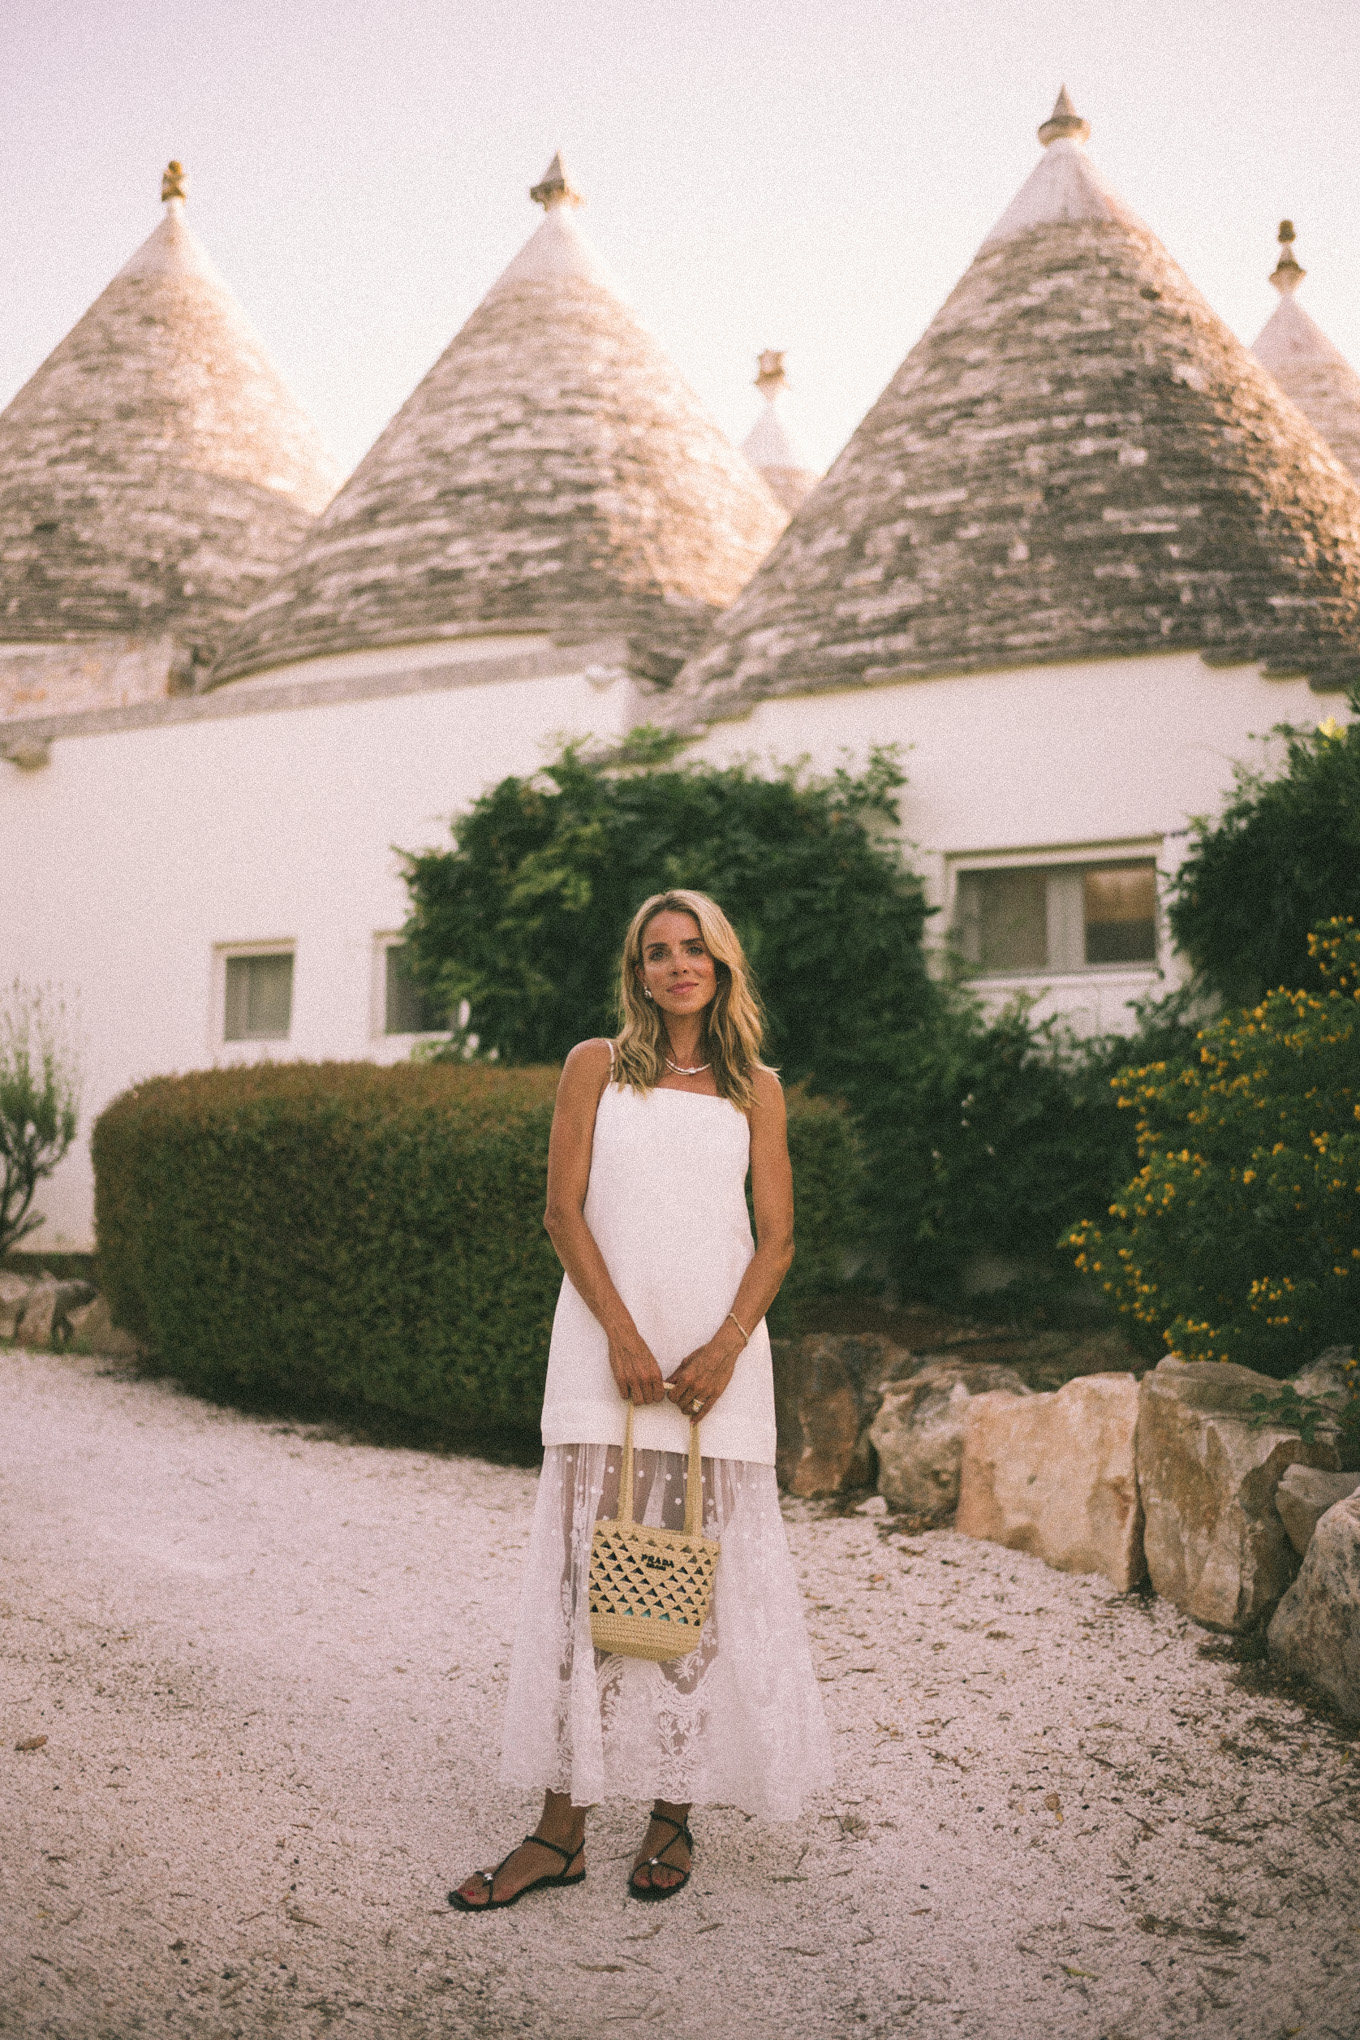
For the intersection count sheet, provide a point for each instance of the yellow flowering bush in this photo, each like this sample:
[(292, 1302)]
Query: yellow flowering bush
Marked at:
[(1239, 1237)]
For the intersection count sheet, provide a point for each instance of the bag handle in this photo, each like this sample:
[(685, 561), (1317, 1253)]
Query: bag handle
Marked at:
[(694, 1483)]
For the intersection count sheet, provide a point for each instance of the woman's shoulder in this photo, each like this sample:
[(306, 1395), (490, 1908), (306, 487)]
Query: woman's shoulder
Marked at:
[(766, 1109), (599, 1049), (765, 1081), (589, 1062)]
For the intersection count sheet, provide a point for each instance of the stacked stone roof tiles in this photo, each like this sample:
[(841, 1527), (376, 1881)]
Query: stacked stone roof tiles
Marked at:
[(552, 474), (154, 473), (1308, 368), (1077, 460)]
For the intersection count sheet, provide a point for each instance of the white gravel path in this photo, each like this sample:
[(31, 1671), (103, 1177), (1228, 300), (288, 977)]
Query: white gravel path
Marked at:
[(268, 1667)]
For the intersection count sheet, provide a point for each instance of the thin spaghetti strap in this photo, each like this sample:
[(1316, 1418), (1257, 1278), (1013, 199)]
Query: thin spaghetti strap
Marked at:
[(611, 1061)]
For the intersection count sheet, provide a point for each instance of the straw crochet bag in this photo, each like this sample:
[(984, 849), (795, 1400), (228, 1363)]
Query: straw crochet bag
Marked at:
[(650, 1589)]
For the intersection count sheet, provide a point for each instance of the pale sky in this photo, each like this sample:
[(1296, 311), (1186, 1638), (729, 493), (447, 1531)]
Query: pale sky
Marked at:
[(759, 173)]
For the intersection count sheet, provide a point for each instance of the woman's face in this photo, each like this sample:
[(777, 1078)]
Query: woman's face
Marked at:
[(676, 967)]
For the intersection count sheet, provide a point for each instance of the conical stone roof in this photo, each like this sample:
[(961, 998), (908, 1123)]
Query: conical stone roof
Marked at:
[(1077, 460), (154, 473), (552, 474), (1309, 369), (770, 447)]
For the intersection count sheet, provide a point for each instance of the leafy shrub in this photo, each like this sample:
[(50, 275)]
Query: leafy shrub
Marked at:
[(1239, 1237), (829, 1209), (524, 916), (1007, 1131), (1283, 856), (39, 1103), (337, 1236)]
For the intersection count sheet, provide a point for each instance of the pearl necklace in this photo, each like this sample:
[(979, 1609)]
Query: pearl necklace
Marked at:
[(680, 1071)]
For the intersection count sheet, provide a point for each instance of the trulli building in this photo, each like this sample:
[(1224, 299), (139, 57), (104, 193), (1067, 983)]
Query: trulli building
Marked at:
[(155, 474), (1082, 549), (1308, 367), (1078, 555), (544, 533)]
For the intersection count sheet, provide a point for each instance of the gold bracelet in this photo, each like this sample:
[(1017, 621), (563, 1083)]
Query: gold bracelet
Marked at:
[(746, 1336)]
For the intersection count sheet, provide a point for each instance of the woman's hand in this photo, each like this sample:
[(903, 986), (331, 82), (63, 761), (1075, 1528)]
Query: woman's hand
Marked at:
[(703, 1375), (635, 1370)]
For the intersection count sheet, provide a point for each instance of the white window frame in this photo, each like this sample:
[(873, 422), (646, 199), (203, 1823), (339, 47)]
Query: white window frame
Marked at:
[(1076, 858), (257, 1050), (385, 939)]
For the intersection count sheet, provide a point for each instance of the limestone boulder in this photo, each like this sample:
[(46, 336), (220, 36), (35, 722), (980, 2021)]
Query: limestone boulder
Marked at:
[(826, 1391), (918, 1432), (46, 1313), (13, 1296), (1055, 1475), (1213, 1537), (92, 1330), (1304, 1496), (38, 1319), (1326, 1375), (1315, 1631)]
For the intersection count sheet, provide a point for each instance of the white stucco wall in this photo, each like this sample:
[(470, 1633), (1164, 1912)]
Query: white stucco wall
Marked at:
[(134, 855), (1050, 764)]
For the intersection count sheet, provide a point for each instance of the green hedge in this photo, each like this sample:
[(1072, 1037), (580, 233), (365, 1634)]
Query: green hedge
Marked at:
[(342, 1237)]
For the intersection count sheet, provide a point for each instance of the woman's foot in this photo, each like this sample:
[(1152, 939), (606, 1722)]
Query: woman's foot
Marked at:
[(664, 1862), (555, 1849), (523, 1866)]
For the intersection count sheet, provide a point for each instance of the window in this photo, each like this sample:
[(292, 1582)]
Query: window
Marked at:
[(1120, 903), (1003, 919), (407, 1007), (1057, 917), (259, 997)]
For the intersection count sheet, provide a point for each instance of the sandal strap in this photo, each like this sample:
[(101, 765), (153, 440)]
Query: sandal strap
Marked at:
[(682, 1833), (666, 1821)]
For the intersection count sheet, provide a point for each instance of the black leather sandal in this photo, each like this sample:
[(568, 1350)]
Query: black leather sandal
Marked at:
[(548, 1882), (654, 1893)]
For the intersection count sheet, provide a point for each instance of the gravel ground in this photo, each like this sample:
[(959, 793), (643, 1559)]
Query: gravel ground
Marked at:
[(268, 1668)]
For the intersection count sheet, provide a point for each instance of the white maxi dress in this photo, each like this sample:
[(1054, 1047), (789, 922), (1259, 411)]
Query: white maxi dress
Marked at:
[(739, 1721)]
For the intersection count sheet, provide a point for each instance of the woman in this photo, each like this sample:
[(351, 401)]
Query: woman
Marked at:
[(663, 1302)]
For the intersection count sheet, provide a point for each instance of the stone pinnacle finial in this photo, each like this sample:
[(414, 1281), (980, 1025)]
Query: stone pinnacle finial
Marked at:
[(555, 187), (1064, 124), (174, 183), (770, 376), (1287, 274)]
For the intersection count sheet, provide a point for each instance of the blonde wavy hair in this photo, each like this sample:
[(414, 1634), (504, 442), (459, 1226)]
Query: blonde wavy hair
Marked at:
[(733, 1023)]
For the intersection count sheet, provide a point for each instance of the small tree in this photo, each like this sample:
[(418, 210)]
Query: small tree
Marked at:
[(976, 1135), (1283, 856), (39, 1103), (525, 915), (1239, 1237)]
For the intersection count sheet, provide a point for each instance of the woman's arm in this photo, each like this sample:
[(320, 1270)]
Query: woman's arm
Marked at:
[(573, 1133), (706, 1372)]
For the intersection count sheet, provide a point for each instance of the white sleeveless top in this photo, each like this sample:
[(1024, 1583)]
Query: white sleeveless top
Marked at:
[(666, 1205)]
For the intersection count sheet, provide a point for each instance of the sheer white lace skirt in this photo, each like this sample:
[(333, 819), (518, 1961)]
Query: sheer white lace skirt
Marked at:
[(738, 1722)]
